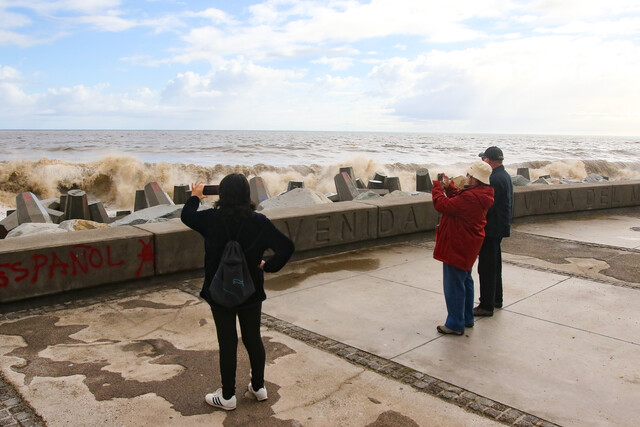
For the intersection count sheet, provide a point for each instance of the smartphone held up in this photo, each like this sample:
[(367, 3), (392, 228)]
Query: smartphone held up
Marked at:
[(211, 190)]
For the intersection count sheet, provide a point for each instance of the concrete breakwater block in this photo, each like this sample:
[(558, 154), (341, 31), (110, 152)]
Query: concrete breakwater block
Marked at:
[(345, 187), (140, 201), (423, 180), (295, 184), (154, 213), (77, 205), (360, 183), (375, 184), (519, 181), (541, 181), (294, 198), (98, 213), (333, 197), (524, 172), (349, 171), (29, 209), (52, 203), (62, 206), (367, 195), (156, 195), (379, 177), (56, 216), (392, 183), (7, 224), (258, 190), (181, 193)]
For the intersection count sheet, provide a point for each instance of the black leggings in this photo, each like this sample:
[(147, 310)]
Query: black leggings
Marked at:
[(228, 342)]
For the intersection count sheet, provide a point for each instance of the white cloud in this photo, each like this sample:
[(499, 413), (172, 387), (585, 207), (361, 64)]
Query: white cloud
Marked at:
[(337, 84), (336, 63), (550, 83), (46, 7), (13, 20), (107, 22)]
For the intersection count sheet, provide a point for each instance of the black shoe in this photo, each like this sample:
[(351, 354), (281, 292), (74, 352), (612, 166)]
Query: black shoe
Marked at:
[(498, 305), (479, 311), (468, 325)]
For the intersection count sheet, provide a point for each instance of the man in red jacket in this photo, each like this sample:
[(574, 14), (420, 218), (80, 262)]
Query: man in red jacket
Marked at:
[(459, 237)]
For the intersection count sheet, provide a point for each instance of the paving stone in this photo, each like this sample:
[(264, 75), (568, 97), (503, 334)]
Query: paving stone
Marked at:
[(492, 412), (448, 395), (510, 416)]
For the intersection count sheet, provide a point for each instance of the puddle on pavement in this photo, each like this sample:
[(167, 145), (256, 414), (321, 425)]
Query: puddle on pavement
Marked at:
[(316, 267)]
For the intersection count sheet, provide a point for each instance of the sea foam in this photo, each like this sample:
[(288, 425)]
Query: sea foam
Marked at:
[(113, 179)]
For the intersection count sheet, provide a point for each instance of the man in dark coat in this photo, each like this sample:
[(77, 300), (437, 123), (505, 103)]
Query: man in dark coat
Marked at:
[(498, 226)]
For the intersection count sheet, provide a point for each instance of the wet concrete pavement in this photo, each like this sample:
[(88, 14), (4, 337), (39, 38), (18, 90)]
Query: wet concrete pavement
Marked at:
[(351, 340)]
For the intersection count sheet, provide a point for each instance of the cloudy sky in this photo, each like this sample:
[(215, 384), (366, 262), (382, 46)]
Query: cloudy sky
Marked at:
[(503, 66)]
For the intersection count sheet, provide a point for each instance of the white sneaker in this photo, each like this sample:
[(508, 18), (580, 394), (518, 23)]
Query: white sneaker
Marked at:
[(216, 399), (261, 394)]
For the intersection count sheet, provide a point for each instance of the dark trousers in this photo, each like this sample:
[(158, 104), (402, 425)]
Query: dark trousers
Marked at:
[(490, 272), (228, 342)]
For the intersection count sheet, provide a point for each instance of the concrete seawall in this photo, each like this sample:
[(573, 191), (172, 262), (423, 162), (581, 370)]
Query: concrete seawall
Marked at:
[(42, 265)]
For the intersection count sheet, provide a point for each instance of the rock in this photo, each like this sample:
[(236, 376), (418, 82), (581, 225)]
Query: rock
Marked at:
[(35, 228), (152, 214), (294, 198), (519, 181), (367, 195), (80, 224)]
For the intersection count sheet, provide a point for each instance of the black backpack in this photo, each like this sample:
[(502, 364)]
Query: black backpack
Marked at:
[(232, 284)]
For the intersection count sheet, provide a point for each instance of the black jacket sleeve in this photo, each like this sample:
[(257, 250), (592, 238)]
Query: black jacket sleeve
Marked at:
[(193, 218), (281, 245)]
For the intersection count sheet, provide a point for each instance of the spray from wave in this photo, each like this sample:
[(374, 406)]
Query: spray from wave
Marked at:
[(115, 178)]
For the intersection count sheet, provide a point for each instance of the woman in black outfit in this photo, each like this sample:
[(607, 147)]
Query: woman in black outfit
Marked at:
[(233, 217)]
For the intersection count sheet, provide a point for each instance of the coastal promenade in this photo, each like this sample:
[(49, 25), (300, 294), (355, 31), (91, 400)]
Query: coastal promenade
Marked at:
[(351, 341)]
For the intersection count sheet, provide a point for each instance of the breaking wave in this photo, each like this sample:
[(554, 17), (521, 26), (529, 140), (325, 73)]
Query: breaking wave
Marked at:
[(114, 178)]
